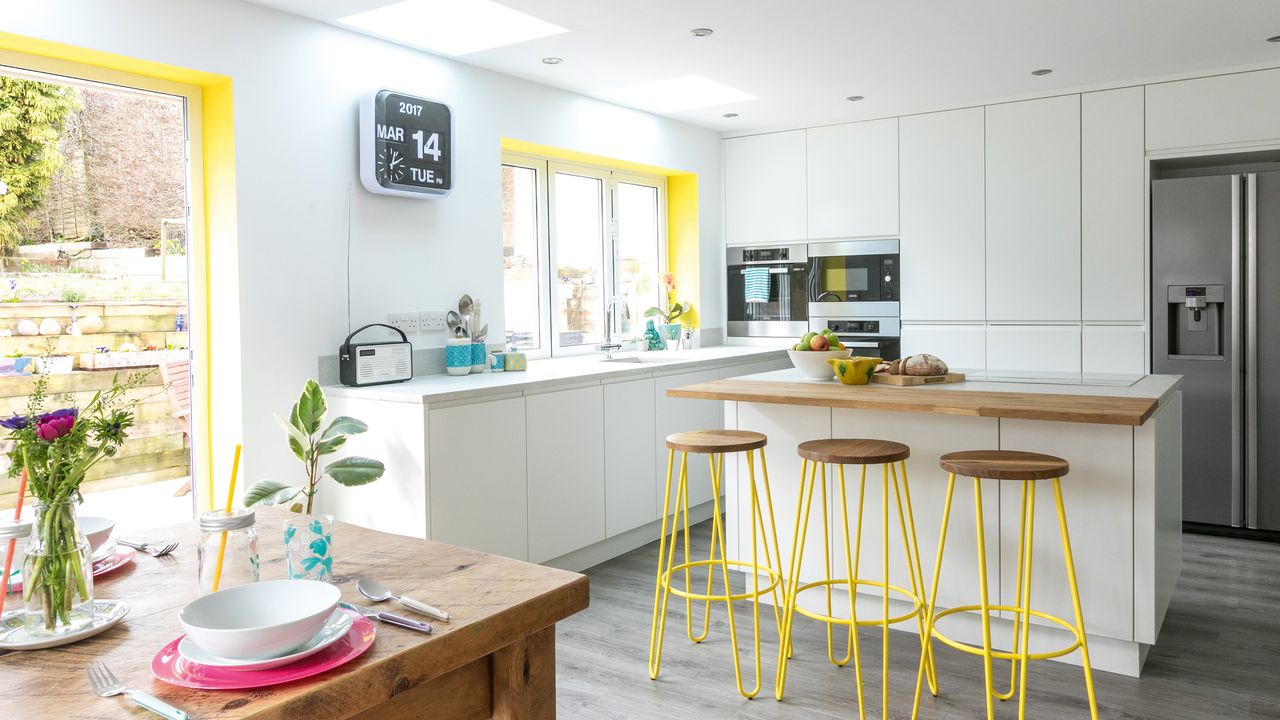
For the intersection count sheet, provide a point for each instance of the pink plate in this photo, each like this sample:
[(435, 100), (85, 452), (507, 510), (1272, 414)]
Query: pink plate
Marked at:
[(169, 666), (121, 557)]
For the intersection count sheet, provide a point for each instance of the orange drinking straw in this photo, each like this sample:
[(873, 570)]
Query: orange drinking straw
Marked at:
[(222, 545), (13, 542)]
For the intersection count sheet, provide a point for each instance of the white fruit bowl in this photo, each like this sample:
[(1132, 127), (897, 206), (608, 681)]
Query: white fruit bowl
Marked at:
[(813, 363), (259, 621), (97, 529)]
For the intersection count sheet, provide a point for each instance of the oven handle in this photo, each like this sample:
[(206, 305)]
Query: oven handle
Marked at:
[(861, 344), (774, 271)]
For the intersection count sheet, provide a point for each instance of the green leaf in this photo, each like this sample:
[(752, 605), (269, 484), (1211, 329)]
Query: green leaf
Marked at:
[(654, 312), (311, 406), (343, 425), (295, 435), (270, 492), (298, 451), (354, 470), (324, 447)]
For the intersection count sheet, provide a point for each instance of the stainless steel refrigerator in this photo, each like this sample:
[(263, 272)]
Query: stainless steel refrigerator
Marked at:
[(1215, 286)]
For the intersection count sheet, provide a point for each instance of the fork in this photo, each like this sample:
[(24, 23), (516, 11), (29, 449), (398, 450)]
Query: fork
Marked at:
[(105, 684), (152, 549)]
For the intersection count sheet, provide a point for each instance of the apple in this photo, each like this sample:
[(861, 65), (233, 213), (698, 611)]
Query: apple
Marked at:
[(819, 343), (800, 346), (808, 337)]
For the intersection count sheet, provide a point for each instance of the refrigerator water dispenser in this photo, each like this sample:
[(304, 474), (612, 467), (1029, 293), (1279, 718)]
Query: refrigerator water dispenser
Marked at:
[(1195, 320)]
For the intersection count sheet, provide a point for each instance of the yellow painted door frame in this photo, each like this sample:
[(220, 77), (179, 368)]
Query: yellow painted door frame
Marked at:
[(210, 192)]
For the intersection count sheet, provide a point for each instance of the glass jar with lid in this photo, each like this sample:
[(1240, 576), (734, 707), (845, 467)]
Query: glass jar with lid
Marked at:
[(239, 551), (17, 531)]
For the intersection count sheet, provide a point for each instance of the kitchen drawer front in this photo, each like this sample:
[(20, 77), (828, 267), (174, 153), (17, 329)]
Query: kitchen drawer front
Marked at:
[(1115, 349), (1033, 349), (963, 347)]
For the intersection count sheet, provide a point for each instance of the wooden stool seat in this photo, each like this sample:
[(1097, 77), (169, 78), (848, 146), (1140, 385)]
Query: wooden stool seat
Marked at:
[(853, 451), (716, 441), (1005, 465)]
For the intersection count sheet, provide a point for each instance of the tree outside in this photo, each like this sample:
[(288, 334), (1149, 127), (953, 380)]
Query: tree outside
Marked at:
[(32, 117)]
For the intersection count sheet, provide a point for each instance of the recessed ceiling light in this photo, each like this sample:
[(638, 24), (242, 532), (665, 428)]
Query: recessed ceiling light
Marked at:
[(1042, 71), (552, 60), (701, 32), (731, 115), (451, 27), (1274, 38), (855, 98), (686, 92)]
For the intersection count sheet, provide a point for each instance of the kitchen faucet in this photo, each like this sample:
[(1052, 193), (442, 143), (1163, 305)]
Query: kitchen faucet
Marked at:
[(609, 345)]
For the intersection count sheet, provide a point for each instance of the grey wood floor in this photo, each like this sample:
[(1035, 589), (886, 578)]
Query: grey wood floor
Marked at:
[(1218, 656)]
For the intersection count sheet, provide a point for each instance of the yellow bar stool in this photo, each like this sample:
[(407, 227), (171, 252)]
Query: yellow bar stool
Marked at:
[(714, 444), (891, 456), (1027, 468)]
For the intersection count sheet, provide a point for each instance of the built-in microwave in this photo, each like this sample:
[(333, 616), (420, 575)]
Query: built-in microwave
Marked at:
[(767, 291), (853, 278)]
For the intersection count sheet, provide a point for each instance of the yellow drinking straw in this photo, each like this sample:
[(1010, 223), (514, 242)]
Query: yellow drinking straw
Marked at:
[(222, 544)]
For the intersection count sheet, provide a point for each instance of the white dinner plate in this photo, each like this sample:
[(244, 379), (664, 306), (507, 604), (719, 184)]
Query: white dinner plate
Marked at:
[(13, 630), (335, 628)]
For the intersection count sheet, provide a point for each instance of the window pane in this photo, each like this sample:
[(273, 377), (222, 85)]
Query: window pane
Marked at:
[(637, 248), (520, 268), (579, 244)]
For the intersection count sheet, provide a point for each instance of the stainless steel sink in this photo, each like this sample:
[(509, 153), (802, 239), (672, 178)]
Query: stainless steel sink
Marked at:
[(640, 359)]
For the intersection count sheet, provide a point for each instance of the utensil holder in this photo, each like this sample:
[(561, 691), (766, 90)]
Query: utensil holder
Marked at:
[(457, 356), (479, 357)]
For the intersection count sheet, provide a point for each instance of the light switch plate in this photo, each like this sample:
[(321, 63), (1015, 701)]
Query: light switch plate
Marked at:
[(432, 320)]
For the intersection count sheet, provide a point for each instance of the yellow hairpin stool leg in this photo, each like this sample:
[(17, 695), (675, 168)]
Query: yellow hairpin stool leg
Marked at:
[(1026, 468), (764, 539), (891, 456)]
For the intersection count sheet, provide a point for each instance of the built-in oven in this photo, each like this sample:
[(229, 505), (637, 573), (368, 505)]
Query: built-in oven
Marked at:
[(853, 278), (867, 336), (768, 291)]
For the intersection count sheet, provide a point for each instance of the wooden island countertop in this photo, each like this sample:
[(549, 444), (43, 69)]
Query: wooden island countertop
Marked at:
[(1106, 404)]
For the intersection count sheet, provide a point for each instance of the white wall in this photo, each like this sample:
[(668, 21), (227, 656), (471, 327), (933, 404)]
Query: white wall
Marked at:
[(296, 88)]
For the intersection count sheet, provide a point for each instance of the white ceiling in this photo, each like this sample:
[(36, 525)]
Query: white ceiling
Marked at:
[(803, 57)]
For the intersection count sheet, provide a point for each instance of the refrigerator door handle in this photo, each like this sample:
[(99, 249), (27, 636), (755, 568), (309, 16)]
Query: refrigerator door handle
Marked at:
[(1237, 350), (1251, 351)]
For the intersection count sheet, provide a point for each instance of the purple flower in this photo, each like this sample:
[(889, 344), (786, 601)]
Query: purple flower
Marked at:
[(17, 422), (52, 426)]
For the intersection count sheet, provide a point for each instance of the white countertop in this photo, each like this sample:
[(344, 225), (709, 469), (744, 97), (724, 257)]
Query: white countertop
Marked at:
[(556, 371)]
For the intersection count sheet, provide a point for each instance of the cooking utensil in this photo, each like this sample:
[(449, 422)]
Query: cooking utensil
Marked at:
[(454, 321), (482, 333), (378, 592), (465, 306), (106, 684), (475, 319), (152, 549), (390, 618)]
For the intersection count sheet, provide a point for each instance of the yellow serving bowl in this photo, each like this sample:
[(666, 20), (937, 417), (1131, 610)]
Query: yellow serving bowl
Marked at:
[(855, 370)]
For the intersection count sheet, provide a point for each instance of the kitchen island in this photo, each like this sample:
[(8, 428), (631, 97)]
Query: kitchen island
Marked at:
[(1121, 436)]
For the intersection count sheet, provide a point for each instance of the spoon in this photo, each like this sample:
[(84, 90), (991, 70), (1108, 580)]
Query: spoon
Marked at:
[(454, 321), (378, 592), (464, 309)]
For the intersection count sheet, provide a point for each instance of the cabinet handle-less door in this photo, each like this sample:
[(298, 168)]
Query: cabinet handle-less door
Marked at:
[(1251, 350)]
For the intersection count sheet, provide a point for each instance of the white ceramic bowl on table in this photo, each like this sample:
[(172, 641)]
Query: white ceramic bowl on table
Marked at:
[(260, 620), (97, 529), (813, 363)]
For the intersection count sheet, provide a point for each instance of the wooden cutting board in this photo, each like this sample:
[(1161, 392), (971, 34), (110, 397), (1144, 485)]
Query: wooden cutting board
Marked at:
[(887, 379)]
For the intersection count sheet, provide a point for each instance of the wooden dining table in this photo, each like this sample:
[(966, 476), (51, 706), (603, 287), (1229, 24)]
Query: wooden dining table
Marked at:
[(495, 658)]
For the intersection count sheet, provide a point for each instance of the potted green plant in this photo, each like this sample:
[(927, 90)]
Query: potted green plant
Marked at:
[(670, 329), (309, 443)]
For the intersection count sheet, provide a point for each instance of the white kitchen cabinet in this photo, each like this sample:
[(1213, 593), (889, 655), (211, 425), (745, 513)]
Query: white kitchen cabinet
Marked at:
[(678, 415), (1033, 210), (1235, 109), (963, 347), (1112, 205), (764, 188), (1114, 349), (1033, 350), (943, 216), (1098, 497), (478, 492), (853, 179), (629, 463), (565, 469)]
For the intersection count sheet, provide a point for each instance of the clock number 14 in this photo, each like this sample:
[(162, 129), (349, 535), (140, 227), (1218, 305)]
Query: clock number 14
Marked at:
[(430, 147)]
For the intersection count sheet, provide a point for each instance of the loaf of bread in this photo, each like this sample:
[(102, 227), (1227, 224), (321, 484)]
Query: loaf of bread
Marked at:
[(923, 365)]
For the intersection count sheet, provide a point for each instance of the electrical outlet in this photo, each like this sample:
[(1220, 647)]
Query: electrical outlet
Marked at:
[(406, 322), (432, 320)]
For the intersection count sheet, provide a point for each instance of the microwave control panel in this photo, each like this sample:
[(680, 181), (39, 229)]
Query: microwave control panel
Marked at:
[(889, 274), (780, 254), (853, 327)]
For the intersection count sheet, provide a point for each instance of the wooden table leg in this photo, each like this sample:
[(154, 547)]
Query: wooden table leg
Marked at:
[(524, 677)]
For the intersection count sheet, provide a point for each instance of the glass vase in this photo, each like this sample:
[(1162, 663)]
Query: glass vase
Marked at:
[(57, 574), (308, 547)]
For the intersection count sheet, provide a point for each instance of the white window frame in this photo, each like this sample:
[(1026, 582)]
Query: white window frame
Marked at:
[(549, 314)]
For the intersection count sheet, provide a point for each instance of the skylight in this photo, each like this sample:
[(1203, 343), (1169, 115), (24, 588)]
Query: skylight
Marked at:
[(452, 27), (687, 92)]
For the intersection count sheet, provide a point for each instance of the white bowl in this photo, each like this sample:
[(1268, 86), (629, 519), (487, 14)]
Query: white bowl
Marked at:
[(97, 529), (813, 363), (260, 620)]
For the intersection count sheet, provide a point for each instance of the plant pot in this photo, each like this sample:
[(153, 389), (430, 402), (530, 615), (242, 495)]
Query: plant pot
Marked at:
[(57, 574), (670, 334), (53, 365)]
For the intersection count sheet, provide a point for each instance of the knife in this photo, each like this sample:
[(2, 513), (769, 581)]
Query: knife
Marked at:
[(390, 618)]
